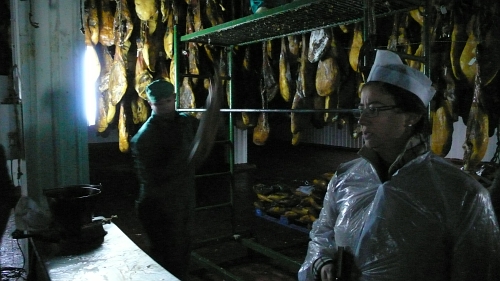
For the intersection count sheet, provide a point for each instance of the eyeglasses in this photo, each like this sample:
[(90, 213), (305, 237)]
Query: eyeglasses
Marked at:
[(371, 112)]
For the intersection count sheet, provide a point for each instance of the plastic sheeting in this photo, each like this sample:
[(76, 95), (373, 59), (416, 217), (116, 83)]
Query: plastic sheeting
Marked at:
[(430, 221)]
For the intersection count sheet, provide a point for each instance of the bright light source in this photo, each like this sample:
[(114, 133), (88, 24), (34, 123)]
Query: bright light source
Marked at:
[(91, 72)]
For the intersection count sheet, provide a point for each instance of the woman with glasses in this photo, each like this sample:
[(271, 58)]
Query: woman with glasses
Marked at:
[(399, 212)]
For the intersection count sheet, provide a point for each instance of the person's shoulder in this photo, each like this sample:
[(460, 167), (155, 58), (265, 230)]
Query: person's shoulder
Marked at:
[(186, 115), (143, 130), (452, 172), (343, 167), (447, 165), (187, 118)]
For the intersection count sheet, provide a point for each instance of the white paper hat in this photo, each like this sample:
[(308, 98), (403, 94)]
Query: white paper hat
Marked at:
[(389, 68)]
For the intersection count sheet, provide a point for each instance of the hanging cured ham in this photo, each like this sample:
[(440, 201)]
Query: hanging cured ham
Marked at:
[(173, 78), (249, 119), (305, 76), (318, 118), (442, 129), (489, 59), (468, 63), (117, 78), (139, 110), (123, 141), (193, 57), (146, 9), (483, 36), (213, 12), (327, 83), (319, 44), (123, 25), (168, 39), (304, 95), (102, 111), (327, 74), (103, 101), (293, 48), (418, 15), (148, 47), (356, 44), (271, 87), (106, 24), (458, 39), (262, 130), (298, 121), (93, 22), (142, 76), (285, 78), (196, 11), (404, 44), (186, 95), (476, 136), (164, 9)]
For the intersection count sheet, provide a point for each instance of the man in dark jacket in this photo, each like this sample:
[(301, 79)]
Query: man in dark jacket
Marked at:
[(166, 203), (10, 193)]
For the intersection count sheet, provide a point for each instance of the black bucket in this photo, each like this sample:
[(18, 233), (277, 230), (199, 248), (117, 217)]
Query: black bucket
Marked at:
[(73, 206)]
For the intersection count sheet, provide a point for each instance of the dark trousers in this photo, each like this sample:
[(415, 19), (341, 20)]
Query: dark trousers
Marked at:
[(169, 231)]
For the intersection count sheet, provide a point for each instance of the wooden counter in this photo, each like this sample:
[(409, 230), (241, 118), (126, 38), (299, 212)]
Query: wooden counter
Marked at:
[(117, 258)]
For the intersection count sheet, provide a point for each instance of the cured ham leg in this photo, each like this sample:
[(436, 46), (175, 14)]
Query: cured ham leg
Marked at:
[(117, 78), (285, 77), (476, 138), (142, 75), (261, 131)]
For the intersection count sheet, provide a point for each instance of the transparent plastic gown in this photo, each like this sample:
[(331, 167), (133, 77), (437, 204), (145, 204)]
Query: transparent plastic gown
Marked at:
[(430, 221)]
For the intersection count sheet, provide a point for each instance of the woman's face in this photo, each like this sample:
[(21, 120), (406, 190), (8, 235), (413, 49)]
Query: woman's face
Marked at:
[(388, 131)]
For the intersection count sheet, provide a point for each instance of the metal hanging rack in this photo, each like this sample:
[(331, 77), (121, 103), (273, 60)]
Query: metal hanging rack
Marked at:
[(297, 17)]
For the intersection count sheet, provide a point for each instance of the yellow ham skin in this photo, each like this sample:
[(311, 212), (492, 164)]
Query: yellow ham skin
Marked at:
[(261, 131), (117, 78), (142, 75), (168, 39), (102, 106), (139, 110), (327, 75), (93, 22), (285, 77), (417, 15), (106, 25), (442, 129), (357, 42), (145, 9), (123, 142), (468, 63), (187, 98)]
